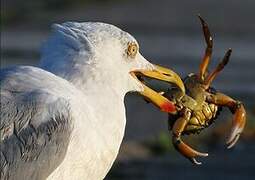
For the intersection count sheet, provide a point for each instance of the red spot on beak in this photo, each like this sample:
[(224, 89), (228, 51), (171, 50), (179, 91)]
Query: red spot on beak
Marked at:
[(168, 107)]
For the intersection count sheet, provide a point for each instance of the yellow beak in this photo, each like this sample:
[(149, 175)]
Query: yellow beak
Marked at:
[(162, 74)]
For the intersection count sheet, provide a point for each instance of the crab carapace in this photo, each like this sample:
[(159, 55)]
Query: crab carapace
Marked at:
[(200, 105)]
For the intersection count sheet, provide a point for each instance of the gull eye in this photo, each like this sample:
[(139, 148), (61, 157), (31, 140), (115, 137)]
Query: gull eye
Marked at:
[(132, 49)]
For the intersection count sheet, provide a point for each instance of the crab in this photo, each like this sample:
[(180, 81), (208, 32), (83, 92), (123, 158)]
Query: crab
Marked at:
[(199, 107)]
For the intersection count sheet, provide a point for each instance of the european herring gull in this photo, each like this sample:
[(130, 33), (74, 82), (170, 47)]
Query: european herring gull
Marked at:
[(65, 119)]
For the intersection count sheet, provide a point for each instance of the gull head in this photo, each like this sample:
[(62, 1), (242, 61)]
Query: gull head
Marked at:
[(98, 53)]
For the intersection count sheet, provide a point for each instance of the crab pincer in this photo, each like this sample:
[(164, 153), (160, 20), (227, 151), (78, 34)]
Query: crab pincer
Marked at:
[(188, 152), (239, 119), (179, 145), (238, 124)]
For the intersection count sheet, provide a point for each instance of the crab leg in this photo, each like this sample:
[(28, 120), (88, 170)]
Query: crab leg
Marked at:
[(179, 145), (220, 66), (208, 51), (239, 119)]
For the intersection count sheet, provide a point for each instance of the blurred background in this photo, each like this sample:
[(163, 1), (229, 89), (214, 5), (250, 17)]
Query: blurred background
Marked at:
[(169, 34)]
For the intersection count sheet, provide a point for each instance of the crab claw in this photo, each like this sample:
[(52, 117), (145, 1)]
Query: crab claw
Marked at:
[(238, 124), (187, 151)]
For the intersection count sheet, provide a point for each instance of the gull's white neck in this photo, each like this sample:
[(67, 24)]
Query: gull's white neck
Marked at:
[(91, 56), (98, 128)]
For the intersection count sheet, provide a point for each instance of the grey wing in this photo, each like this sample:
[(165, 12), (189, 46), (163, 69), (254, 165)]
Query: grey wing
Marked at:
[(34, 134)]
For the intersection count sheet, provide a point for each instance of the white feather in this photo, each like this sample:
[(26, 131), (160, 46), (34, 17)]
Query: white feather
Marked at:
[(92, 71)]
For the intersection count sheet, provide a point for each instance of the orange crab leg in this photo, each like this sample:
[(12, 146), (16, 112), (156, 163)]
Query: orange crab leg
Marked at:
[(239, 119), (208, 51), (220, 66), (179, 145)]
